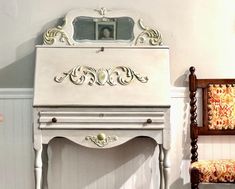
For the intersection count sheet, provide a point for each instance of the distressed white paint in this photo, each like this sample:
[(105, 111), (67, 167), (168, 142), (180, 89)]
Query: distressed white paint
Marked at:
[(16, 156)]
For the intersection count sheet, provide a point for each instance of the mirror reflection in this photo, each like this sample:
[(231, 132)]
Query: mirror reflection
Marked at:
[(103, 29)]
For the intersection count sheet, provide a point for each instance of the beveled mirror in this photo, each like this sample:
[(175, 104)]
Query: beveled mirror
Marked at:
[(94, 28)]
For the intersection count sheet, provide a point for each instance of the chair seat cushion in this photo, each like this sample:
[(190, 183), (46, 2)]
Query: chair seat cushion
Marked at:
[(215, 170)]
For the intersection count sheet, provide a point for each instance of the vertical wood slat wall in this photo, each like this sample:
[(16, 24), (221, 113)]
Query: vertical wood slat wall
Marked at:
[(17, 157), (16, 153)]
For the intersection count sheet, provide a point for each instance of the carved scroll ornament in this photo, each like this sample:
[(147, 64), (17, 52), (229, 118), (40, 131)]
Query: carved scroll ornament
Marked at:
[(154, 36), (120, 75), (57, 33)]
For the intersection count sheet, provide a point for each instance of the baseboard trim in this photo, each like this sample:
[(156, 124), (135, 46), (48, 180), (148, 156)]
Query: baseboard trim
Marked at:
[(179, 92), (16, 93)]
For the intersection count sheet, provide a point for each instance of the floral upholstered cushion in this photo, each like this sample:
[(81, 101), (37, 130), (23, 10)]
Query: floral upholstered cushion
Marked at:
[(221, 107), (215, 170)]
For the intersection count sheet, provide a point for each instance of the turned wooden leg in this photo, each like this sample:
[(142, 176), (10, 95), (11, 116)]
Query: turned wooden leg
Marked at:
[(38, 166), (194, 186), (44, 166), (194, 177), (161, 157), (166, 168)]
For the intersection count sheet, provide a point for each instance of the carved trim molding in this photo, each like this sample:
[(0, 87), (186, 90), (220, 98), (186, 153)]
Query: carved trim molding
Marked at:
[(101, 139), (154, 36), (120, 75)]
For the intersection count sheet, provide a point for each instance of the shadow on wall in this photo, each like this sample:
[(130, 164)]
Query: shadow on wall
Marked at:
[(181, 163), (182, 182), (178, 184), (186, 141), (182, 80), (75, 166), (20, 74)]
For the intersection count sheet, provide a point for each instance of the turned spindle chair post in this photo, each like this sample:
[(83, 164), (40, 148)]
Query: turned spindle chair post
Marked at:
[(218, 118)]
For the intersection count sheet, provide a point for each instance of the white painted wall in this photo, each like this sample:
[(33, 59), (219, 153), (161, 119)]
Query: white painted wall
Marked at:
[(199, 33), (74, 167)]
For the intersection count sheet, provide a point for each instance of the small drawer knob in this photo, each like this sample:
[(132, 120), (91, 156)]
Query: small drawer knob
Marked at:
[(54, 120), (101, 136), (149, 121)]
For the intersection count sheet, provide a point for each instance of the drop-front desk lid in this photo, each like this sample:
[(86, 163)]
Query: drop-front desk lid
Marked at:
[(95, 76)]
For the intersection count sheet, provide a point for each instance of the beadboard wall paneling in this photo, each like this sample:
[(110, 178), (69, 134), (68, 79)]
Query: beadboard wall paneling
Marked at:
[(16, 153), (127, 166), (72, 166)]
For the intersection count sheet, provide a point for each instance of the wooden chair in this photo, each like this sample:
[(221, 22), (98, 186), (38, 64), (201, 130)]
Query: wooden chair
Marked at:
[(218, 118)]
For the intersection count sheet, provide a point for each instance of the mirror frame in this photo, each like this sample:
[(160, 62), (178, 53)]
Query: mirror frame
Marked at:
[(62, 35)]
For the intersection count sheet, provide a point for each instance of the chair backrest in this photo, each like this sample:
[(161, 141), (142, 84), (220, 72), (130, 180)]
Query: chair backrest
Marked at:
[(218, 108)]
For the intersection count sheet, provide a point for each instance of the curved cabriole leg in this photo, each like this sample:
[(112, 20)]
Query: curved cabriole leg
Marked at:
[(38, 166), (161, 158), (166, 167)]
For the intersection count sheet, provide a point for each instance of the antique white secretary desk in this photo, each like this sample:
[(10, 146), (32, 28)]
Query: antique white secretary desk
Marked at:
[(102, 79)]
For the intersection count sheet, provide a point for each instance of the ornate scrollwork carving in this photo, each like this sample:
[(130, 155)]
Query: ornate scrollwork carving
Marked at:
[(120, 75), (154, 36), (101, 139), (51, 35)]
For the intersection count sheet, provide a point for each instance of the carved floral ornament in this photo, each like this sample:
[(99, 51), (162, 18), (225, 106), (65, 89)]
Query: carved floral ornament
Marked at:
[(84, 74), (147, 35), (101, 140)]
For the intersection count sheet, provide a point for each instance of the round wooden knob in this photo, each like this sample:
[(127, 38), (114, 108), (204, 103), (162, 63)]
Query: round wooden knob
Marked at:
[(149, 121), (54, 120)]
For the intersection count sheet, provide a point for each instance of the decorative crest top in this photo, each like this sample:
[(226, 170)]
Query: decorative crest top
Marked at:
[(102, 11), (118, 28)]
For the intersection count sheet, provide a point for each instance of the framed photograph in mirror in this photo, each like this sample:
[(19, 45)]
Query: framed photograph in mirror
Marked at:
[(105, 30)]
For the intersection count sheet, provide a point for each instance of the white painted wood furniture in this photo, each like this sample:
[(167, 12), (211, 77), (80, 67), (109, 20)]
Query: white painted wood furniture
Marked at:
[(101, 94)]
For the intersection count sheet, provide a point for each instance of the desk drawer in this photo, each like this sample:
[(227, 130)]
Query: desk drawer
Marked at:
[(70, 120)]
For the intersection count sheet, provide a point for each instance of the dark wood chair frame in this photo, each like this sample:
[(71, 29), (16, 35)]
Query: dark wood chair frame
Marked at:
[(195, 129)]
